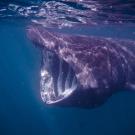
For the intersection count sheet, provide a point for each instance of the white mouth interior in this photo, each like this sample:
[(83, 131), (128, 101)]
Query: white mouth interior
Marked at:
[(59, 85)]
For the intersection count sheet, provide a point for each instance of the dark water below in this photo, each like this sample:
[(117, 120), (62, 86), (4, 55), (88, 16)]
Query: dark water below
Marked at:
[(22, 111)]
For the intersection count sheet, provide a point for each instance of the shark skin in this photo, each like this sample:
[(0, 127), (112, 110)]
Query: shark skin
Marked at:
[(100, 67)]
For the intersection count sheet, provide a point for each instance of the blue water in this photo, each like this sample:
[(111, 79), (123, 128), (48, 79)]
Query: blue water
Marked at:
[(22, 112)]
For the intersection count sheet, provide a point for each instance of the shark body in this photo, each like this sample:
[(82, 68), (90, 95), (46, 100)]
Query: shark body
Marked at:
[(83, 71)]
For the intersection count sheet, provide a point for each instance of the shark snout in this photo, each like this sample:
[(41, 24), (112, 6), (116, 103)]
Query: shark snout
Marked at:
[(42, 37)]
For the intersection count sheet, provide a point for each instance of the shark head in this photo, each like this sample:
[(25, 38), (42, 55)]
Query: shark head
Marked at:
[(58, 80)]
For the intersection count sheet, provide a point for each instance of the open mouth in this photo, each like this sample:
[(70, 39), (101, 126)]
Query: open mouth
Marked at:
[(58, 80)]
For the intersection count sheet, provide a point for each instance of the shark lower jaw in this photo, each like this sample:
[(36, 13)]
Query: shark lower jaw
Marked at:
[(58, 81)]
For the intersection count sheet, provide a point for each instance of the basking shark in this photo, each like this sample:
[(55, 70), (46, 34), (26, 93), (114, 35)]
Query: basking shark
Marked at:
[(82, 71)]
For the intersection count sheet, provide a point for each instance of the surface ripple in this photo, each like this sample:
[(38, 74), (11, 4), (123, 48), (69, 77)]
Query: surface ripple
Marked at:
[(67, 13)]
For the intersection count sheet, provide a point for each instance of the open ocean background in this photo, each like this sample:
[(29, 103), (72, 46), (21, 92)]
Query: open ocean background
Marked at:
[(22, 112)]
